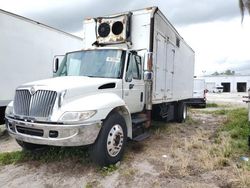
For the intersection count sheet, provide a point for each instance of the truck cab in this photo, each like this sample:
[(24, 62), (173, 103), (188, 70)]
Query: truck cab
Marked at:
[(121, 71), (90, 87)]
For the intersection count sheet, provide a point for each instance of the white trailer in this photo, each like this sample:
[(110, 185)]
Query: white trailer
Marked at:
[(134, 66), (27, 49), (199, 93)]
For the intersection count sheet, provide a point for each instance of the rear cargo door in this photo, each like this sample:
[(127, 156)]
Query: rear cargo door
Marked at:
[(160, 68), (170, 70)]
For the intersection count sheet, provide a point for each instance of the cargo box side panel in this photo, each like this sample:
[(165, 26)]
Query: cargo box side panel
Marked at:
[(183, 72), (173, 64)]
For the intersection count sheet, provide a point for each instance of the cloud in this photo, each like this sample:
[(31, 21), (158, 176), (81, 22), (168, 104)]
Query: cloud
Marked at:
[(212, 28), (219, 45), (68, 15)]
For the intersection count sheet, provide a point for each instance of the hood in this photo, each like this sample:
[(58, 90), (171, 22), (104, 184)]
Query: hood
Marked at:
[(70, 82), (76, 86)]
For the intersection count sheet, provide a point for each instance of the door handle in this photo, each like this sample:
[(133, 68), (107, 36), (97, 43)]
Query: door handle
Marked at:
[(131, 86)]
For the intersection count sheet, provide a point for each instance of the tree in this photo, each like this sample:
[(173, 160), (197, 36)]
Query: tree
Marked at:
[(216, 73), (244, 5), (229, 72)]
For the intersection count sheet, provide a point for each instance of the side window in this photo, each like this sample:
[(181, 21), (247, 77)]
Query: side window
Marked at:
[(138, 65), (134, 68)]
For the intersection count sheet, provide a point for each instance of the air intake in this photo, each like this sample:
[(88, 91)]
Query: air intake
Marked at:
[(113, 30)]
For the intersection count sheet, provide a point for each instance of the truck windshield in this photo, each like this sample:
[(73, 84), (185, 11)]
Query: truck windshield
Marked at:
[(104, 63)]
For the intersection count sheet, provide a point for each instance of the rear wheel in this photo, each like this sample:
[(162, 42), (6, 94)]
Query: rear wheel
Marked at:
[(181, 112), (29, 146), (109, 146)]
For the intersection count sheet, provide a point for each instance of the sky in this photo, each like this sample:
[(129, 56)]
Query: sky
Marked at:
[(212, 28)]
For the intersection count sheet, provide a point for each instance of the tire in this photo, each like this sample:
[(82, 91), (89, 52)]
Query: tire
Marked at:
[(29, 146), (109, 146), (181, 112)]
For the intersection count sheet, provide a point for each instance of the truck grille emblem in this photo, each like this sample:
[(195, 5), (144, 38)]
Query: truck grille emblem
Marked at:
[(32, 91)]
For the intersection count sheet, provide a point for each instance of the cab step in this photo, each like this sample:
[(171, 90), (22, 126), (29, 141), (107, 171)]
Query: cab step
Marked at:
[(142, 137), (139, 119)]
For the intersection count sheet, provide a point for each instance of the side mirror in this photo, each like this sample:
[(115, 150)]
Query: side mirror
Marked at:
[(55, 65), (56, 62)]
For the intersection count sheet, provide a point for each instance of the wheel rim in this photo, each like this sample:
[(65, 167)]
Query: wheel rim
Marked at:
[(115, 140), (184, 112)]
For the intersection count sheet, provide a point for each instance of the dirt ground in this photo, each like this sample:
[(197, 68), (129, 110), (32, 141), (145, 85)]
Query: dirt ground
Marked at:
[(175, 156)]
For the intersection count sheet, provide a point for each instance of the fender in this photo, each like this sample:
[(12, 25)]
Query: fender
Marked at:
[(103, 103)]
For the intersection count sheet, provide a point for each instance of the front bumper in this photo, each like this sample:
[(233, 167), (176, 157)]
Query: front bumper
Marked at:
[(53, 134)]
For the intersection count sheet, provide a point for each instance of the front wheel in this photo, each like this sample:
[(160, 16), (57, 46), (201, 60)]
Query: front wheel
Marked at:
[(109, 146)]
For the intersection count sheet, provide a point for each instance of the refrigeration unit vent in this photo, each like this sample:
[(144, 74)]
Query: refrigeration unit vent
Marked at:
[(113, 30)]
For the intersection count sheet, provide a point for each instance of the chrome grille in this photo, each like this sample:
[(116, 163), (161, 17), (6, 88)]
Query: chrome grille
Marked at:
[(22, 102), (40, 104)]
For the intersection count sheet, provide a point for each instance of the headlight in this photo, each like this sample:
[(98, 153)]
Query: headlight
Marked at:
[(77, 116), (9, 110)]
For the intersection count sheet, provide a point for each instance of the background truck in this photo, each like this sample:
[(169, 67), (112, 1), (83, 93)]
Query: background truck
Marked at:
[(199, 93), (27, 49), (134, 66), (218, 89)]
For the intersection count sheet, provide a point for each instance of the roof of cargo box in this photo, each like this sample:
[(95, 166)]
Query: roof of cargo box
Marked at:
[(37, 23), (151, 10)]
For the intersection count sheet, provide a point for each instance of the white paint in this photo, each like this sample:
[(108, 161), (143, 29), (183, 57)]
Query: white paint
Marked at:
[(27, 50), (199, 88)]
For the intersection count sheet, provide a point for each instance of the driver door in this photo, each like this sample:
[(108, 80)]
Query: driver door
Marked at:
[(133, 89)]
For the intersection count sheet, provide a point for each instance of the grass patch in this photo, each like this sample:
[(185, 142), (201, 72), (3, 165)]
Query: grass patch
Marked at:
[(220, 112), (50, 154), (237, 126), (191, 121), (216, 112), (12, 157), (212, 105), (232, 136), (106, 170), (230, 141)]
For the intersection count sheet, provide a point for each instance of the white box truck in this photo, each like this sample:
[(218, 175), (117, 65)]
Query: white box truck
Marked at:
[(27, 49), (134, 65), (199, 93)]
